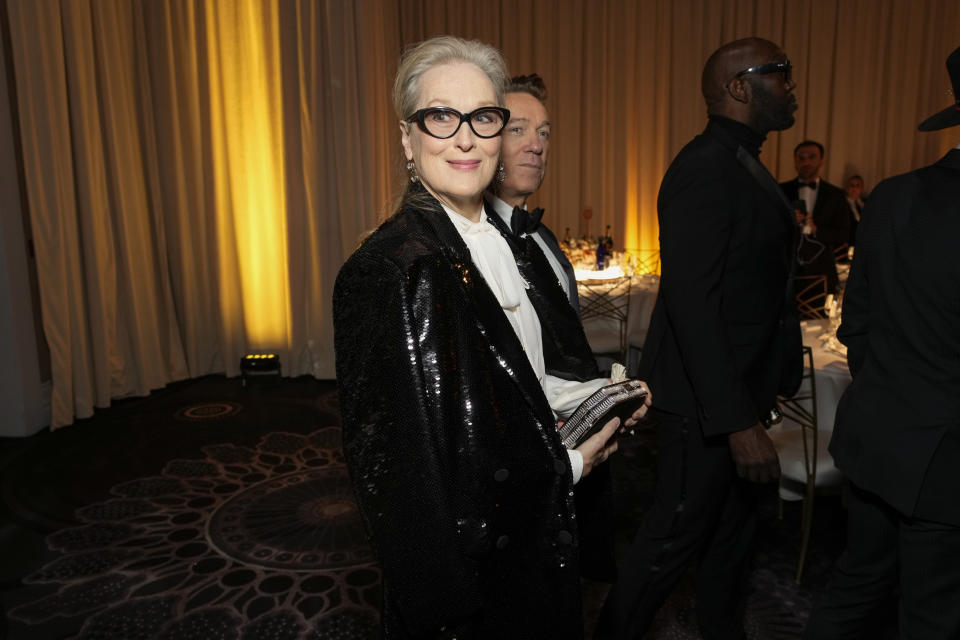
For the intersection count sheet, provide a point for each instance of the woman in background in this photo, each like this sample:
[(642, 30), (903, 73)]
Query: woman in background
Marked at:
[(449, 434)]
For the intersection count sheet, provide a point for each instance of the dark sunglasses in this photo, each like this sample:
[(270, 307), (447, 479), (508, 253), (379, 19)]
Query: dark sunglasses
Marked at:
[(444, 122), (785, 69)]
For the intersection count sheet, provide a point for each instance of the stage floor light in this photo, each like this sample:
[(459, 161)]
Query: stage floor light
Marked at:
[(260, 366)]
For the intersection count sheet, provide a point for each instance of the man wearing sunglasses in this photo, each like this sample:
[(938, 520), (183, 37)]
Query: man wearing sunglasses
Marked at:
[(723, 341)]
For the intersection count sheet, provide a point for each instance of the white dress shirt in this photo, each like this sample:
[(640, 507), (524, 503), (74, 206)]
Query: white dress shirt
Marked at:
[(809, 195), (490, 252)]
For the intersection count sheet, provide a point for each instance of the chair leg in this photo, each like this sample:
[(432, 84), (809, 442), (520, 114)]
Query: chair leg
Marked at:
[(806, 525)]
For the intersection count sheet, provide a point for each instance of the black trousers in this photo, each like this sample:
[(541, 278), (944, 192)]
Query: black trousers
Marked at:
[(702, 513), (886, 550)]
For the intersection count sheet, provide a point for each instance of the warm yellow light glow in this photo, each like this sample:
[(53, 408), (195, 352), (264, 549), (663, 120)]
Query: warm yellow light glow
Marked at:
[(247, 136), (631, 234), (640, 223)]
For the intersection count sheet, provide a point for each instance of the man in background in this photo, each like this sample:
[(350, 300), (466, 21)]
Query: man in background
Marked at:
[(724, 340), (524, 152), (824, 223), (855, 202), (824, 201), (897, 431)]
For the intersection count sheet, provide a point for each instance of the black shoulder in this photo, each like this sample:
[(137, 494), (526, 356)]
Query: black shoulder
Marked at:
[(896, 184), (701, 156), (400, 240), (832, 189)]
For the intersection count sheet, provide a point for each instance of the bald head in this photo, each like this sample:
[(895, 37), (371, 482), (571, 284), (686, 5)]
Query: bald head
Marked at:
[(729, 60), (762, 99)]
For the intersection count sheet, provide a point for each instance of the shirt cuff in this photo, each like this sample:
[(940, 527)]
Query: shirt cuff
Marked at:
[(565, 396), (576, 464)]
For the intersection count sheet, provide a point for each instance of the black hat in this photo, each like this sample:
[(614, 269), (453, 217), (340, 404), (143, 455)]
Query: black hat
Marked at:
[(950, 116)]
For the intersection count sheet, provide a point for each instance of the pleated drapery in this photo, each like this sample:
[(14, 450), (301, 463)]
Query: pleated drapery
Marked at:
[(197, 171)]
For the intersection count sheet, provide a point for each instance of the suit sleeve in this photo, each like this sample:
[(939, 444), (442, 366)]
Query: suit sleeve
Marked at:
[(696, 222), (396, 451), (833, 220)]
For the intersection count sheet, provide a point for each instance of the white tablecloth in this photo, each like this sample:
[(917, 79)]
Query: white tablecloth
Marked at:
[(831, 373), (831, 376), (603, 334)]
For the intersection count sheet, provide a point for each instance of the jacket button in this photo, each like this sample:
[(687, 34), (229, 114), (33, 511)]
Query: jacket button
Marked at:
[(565, 537), (501, 474), (560, 466), (502, 542)]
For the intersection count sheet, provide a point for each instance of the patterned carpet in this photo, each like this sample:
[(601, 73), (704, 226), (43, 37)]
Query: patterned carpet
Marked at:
[(212, 511)]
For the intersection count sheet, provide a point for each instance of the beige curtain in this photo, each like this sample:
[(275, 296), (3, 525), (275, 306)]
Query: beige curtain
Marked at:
[(196, 171)]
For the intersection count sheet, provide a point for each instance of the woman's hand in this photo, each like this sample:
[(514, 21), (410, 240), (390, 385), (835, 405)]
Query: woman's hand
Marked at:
[(595, 449)]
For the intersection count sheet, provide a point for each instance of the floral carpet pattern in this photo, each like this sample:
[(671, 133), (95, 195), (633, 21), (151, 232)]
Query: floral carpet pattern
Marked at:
[(246, 540), (208, 512)]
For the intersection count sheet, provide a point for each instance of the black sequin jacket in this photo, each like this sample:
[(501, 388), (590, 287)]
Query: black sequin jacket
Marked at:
[(452, 448)]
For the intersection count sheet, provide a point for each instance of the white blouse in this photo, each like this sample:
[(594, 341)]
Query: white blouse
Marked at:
[(490, 252)]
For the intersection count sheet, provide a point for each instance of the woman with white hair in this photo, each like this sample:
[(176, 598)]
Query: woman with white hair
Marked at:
[(450, 438)]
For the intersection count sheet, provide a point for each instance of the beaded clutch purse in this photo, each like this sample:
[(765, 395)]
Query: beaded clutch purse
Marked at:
[(620, 399)]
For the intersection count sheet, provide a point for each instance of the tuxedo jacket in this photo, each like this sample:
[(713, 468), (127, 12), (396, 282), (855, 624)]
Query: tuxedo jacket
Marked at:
[(551, 241), (553, 245), (723, 340), (451, 445), (854, 222), (567, 355), (831, 213), (566, 352), (897, 431)]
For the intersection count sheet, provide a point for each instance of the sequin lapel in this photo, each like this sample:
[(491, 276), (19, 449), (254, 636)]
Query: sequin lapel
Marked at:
[(489, 317)]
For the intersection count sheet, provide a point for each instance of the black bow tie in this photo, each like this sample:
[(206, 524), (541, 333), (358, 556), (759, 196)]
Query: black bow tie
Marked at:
[(523, 221), (812, 185)]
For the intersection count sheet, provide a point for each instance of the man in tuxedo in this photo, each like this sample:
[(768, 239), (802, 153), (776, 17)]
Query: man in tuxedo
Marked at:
[(524, 152), (822, 214), (897, 431), (855, 203), (553, 292), (723, 341)]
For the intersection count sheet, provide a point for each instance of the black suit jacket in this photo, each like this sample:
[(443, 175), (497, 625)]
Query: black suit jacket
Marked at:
[(566, 351), (451, 445), (897, 430), (716, 349), (854, 222), (553, 245), (831, 213), (551, 241)]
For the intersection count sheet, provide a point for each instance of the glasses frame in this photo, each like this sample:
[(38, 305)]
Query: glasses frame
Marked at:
[(419, 116), (783, 68)]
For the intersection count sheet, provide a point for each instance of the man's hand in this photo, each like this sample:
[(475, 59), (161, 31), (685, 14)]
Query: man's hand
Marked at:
[(637, 415), (754, 454)]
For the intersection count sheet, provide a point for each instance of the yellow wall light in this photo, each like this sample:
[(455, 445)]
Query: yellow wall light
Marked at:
[(247, 139)]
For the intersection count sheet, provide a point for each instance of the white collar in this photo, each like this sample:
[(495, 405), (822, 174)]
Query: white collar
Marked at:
[(490, 252), (501, 208)]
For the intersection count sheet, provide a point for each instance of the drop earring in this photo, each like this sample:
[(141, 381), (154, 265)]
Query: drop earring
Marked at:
[(501, 173), (412, 168)]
